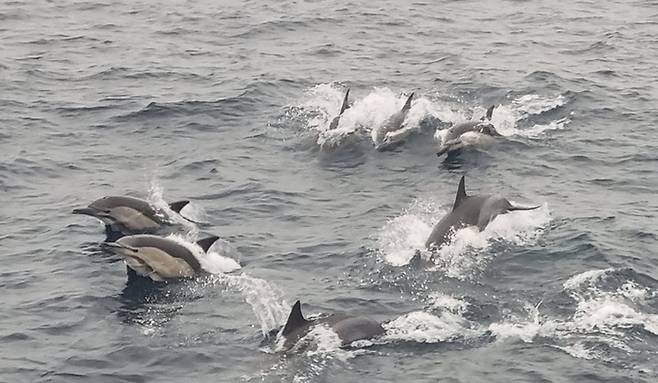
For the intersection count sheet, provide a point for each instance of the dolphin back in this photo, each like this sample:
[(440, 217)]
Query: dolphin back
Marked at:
[(357, 328)]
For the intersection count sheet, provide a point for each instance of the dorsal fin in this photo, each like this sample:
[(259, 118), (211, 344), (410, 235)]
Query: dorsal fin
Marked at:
[(461, 194), (490, 112), (295, 319), (407, 105), (346, 104), (207, 242), (178, 205)]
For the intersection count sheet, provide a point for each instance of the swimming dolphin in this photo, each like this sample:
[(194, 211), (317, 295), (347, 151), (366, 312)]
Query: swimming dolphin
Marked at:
[(477, 210), (128, 215), (457, 136), (344, 106), (382, 137), (159, 258), (348, 328)]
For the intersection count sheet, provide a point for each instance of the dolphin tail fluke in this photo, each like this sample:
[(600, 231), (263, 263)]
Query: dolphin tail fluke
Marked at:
[(345, 104), (295, 319), (178, 205), (207, 242)]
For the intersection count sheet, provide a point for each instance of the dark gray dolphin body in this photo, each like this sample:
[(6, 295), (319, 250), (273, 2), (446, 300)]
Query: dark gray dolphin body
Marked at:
[(157, 257), (345, 105), (452, 141), (383, 141), (348, 328), (128, 215), (467, 210)]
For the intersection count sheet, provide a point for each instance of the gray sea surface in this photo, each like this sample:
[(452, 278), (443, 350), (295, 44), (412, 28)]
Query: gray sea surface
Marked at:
[(227, 104)]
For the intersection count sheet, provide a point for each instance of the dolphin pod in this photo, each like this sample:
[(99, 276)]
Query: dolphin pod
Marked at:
[(158, 259), (124, 215), (476, 210)]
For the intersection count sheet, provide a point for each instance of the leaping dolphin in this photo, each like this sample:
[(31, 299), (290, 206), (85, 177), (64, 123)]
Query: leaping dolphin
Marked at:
[(382, 138), (334, 123), (128, 215), (348, 328), (455, 138), (159, 258), (477, 210)]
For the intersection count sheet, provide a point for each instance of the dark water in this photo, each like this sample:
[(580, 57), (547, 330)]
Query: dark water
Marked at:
[(227, 103)]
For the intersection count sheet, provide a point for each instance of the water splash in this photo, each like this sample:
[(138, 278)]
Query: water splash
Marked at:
[(211, 261), (156, 198)]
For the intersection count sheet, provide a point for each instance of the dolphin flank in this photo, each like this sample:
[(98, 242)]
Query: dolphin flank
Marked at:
[(128, 215), (477, 210), (348, 328), (157, 257)]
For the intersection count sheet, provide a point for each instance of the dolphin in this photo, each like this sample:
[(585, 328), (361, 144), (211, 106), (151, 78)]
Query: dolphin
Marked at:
[(128, 215), (334, 123), (159, 258), (476, 210), (385, 137), (457, 135), (348, 328)]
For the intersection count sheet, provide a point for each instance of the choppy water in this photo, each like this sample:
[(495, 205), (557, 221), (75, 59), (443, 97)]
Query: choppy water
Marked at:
[(228, 103)]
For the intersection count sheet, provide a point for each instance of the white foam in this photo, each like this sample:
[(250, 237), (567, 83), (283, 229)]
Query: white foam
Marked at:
[(454, 305), (211, 261), (402, 236), (587, 277), (600, 317), (156, 198), (423, 327), (535, 104)]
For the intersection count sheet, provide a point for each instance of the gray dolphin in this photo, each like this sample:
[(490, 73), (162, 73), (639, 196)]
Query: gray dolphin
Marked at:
[(384, 141), (344, 106), (453, 139), (128, 215), (477, 210), (157, 257), (348, 328)]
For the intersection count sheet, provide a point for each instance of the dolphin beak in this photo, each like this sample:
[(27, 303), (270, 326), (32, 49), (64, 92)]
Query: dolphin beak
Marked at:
[(85, 211), (112, 246)]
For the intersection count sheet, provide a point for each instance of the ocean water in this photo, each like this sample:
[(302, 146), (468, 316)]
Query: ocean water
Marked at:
[(228, 103)]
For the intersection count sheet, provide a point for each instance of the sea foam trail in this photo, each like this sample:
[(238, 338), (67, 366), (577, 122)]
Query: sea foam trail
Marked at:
[(602, 318), (403, 236)]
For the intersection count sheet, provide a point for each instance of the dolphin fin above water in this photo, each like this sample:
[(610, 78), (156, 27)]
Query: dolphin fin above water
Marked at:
[(344, 106), (461, 194), (295, 319), (206, 243), (178, 205)]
